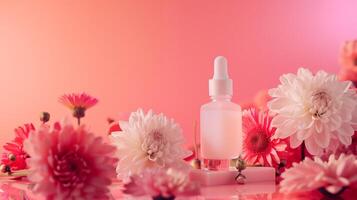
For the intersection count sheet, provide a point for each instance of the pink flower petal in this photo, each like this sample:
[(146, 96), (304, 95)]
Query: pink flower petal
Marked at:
[(275, 156), (68, 163)]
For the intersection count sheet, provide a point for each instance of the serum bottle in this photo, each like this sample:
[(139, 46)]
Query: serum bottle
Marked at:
[(220, 121)]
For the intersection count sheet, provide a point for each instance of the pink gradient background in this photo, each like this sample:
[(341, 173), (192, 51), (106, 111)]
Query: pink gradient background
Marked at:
[(156, 54)]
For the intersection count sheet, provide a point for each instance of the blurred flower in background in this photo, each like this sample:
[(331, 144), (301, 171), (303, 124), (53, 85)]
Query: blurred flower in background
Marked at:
[(78, 103), (8, 192), (260, 101), (114, 125), (348, 61)]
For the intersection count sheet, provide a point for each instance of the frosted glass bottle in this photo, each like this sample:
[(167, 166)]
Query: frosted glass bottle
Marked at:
[(220, 122)]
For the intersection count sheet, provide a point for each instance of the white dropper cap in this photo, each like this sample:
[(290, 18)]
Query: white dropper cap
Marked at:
[(220, 84)]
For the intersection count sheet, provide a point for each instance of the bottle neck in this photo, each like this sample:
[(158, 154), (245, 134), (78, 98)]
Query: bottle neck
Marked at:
[(221, 98)]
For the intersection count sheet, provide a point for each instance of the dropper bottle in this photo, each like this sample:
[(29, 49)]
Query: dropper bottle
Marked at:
[(220, 121)]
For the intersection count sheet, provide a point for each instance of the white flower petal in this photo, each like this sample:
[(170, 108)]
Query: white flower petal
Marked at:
[(333, 189), (280, 147), (278, 103), (346, 140), (346, 108), (346, 130), (335, 122), (282, 133), (318, 126), (278, 120), (303, 72), (305, 121), (123, 124), (354, 118), (304, 134), (287, 78), (286, 129), (312, 147), (322, 139), (295, 141)]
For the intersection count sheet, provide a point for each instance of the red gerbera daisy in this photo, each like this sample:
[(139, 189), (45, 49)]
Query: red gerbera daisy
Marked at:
[(78, 103), (14, 157), (258, 145)]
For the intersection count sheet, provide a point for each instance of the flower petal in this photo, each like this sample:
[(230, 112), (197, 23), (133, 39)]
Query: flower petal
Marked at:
[(346, 140), (312, 147), (318, 126), (275, 156), (346, 130), (269, 160), (278, 120), (295, 141), (281, 146), (322, 139), (304, 134), (286, 129)]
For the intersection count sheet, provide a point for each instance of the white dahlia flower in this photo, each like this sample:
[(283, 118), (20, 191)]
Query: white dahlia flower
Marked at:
[(148, 141), (315, 109)]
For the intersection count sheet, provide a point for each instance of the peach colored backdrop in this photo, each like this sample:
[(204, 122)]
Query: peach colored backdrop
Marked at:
[(156, 54)]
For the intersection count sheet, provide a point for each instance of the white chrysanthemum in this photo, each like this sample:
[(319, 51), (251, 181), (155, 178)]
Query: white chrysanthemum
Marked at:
[(314, 109), (148, 140)]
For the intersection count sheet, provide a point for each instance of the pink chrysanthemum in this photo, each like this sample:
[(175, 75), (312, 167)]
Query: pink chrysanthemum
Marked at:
[(70, 163), (78, 103), (9, 192), (160, 183), (332, 175), (14, 157), (260, 101), (258, 145)]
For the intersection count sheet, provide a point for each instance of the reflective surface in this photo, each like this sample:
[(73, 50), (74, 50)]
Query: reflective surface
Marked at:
[(21, 190)]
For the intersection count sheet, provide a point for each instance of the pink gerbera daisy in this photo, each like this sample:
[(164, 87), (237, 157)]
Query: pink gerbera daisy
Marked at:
[(78, 103), (258, 145), (70, 163), (14, 157)]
